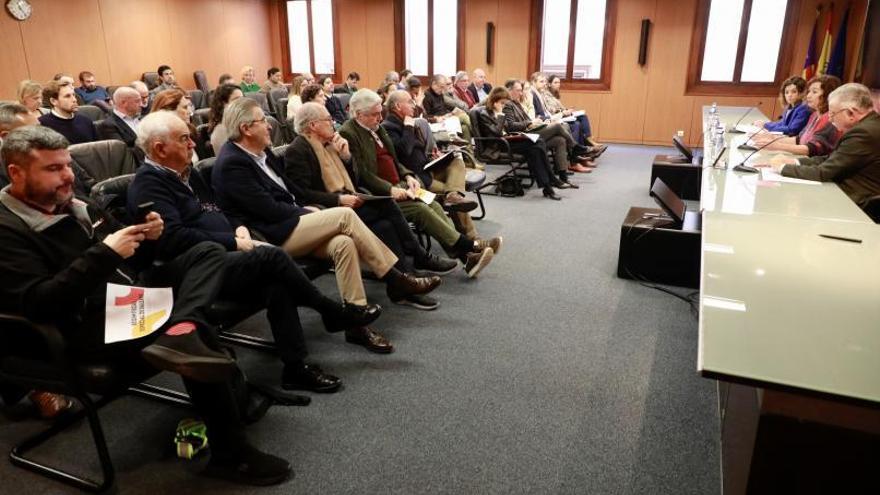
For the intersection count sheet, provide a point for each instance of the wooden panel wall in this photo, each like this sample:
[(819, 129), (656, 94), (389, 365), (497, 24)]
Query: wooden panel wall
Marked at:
[(120, 39), (366, 35)]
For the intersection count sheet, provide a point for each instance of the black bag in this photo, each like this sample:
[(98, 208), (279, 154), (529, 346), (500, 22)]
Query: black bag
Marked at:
[(509, 186)]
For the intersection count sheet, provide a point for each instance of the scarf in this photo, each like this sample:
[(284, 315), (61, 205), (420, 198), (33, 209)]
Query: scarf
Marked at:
[(333, 172)]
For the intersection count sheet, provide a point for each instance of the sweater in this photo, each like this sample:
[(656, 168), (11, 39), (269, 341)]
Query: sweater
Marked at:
[(79, 129), (363, 153)]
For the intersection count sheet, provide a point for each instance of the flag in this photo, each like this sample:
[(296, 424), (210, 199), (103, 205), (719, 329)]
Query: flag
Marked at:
[(810, 61), (838, 54), (822, 64)]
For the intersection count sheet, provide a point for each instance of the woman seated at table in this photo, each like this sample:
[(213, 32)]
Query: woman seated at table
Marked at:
[(580, 128), (492, 124), (796, 113), (819, 137)]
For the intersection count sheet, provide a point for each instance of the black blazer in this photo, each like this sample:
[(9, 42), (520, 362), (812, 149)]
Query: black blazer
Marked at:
[(250, 197), (473, 91), (301, 167), (337, 111), (515, 117), (409, 148), (113, 127)]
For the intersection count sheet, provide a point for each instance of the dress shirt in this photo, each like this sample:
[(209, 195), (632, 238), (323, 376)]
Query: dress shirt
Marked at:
[(132, 122), (260, 160)]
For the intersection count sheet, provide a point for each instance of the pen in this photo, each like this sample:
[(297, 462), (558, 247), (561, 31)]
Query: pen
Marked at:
[(847, 239)]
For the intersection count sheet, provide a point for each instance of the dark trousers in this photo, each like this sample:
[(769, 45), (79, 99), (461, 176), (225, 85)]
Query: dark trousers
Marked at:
[(536, 157), (580, 130), (385, 219), (267, 275)]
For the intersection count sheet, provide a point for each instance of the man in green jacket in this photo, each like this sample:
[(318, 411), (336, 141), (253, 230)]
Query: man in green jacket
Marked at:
[(379, 171), (855, 164)]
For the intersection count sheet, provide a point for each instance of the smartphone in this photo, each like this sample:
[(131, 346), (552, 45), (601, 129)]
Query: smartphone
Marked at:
[(143, 210)]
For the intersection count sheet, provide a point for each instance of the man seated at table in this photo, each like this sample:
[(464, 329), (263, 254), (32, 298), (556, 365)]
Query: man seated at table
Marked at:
[(57, 255), (855, 163), (252, 190), (381, 173), (255, 271)]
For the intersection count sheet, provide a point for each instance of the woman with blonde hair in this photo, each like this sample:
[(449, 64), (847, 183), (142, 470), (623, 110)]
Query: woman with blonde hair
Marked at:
[(30, 94), (294, 96)]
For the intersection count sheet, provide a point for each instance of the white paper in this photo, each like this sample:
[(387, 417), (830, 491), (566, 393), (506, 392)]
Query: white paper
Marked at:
[(425, 196), (134, 312), (533, 137), (748, 128), (769, 175), (452, 125)]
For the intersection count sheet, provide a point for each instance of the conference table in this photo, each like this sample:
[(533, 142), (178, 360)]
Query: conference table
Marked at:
[(789, 301)]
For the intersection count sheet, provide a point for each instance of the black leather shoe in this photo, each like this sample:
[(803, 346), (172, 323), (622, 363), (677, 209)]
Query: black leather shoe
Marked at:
[(372, 340), (311, 378), (579, 149), (572, 185), (549, 193), (401, 285), (188, 356), (425, 303), (435, 264), (248, 466), (350, 316), (455, 202)]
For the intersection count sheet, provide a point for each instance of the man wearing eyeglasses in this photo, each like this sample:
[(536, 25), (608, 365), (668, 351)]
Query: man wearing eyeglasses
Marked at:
[(855, 163)]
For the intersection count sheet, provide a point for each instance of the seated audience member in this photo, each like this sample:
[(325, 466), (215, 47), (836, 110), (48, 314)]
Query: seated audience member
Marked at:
[(253, 271), (55, 271), (316, 163), (493, 123), (566, 152), (146, 96), (177, 101), (313, 93), (30, 94), (168, 81), (333, 104), (462, 81), (223, 96), (527, 102), (350, 85), (390, 77), (309, 78), (122, 124), (252, 190), (404, 75), (819, 136), (380, 172), (796, 113), (294, 96), (63, 78), (410, 145), (12, 116), (438, 107), (451, 98), (226, 79), (89, 90), (273, 81), (580, 128), (63, 117), (249, 80), (479, 88), (855, 163), (386, 90)]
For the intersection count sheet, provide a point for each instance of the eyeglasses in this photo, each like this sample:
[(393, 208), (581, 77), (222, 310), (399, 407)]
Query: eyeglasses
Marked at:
[(259, 120), (832, 114), (326, 119)]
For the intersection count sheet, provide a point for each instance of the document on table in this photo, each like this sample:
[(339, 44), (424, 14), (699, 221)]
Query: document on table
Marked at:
[(769, 175)]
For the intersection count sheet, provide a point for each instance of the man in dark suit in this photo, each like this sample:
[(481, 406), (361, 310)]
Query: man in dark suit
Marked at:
[(479, 88), (855, 163), (252, 190), (350, 85), (122, 124)]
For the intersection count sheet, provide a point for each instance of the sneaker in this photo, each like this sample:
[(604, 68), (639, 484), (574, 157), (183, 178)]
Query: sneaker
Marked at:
[(477, 261), (494, 243), (435, 265), (425, 303)]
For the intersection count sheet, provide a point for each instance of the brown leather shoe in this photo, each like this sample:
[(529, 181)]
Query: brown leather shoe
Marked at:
[(457, 202), (494, 243), (50, 405), (400, 285), (580, 169), (372, 340)]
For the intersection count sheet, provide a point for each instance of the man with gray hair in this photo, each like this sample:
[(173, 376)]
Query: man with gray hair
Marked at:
[(439, 106), (855, 163), (252, 189), (254, 271), (146, 97), (380, 172), (59, 253), (122, 124)]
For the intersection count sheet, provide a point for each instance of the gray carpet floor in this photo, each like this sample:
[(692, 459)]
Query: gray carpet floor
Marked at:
[(545, 375)]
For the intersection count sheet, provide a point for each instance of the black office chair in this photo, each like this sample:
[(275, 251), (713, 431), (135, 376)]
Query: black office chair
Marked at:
[(151, 79), (104, 159), (201, 116), (112, 196), (198, 98), (274, 96), (262, 99), (36, 357), (516, 163), (201, 81), (93, 112)]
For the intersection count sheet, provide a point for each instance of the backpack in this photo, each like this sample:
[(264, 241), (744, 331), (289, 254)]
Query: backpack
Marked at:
[(509, 186)]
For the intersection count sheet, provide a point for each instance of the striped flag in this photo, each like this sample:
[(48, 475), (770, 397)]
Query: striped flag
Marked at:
[(810, 60), (822, 64), (838, 54)]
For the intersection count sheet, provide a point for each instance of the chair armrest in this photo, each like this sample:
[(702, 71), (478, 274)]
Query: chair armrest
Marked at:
[(506, 153), (19, 334)]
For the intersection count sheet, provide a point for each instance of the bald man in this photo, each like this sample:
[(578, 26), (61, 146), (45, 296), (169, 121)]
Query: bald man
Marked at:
[(479, 87), (122, 124)]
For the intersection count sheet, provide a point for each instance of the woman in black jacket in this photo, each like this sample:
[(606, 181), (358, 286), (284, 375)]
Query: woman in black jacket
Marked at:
[(491, 122)]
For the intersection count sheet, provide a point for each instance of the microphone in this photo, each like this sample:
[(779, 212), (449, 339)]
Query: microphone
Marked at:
[(742, 167), (733, 130), (748, 147)]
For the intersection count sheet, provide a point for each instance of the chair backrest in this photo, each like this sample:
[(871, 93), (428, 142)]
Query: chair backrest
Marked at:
[(277, 132), (151, 79), (104, 159), (112, 195), (197, 96), (204, 167), (275, 96), (261, 99), (203, 142), (201, 81), (201, 116), (111, 90), (344, 98), (94, 113)]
